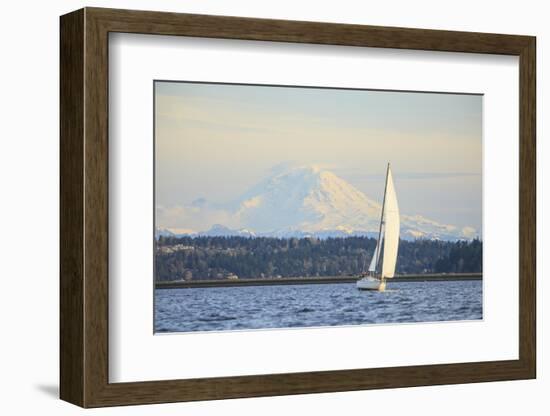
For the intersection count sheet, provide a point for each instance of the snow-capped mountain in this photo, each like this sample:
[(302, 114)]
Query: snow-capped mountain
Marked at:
[(308, 200), (164, 232), (218, 230)]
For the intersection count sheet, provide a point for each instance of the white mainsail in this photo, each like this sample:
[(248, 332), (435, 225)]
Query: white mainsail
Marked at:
[(391, 229)]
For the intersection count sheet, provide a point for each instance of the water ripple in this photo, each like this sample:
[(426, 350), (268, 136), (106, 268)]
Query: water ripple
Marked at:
[(257, 307)]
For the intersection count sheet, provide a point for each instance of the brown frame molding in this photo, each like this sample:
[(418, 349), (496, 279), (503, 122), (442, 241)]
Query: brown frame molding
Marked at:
[(84, 207)]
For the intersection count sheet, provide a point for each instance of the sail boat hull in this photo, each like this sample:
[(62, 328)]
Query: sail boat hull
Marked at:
[(371, 283)]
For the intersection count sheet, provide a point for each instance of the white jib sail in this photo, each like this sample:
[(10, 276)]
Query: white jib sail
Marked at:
[(391, 229), (374, 259)]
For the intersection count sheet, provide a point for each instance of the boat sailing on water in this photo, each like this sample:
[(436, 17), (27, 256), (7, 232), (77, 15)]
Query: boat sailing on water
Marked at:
[(388, 233)]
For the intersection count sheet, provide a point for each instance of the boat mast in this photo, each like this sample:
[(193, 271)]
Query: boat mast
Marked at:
[(382, 218)]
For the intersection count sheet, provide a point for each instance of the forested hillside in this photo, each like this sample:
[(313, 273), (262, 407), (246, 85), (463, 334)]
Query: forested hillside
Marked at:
[(225, 257)]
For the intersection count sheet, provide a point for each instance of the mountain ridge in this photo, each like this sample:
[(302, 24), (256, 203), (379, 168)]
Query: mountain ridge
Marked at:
[(307, 200)]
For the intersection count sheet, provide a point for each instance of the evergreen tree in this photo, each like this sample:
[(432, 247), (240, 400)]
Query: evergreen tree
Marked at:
[(218, 257)]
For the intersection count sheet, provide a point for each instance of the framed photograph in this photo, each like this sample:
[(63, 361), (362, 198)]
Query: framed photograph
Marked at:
[(254, 207)]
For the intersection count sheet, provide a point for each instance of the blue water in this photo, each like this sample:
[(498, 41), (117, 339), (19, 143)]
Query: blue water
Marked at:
[(313, 305)]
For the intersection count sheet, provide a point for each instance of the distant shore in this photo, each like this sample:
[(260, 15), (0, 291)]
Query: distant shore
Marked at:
[(177, 284)]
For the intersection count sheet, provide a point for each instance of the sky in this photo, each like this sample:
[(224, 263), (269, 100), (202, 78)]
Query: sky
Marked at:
[(215, 141)]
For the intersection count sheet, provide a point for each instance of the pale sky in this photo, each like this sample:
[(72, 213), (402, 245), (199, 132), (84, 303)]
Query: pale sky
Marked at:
[(215, 141)]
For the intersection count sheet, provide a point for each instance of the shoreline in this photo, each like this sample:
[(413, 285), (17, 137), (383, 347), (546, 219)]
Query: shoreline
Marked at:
[(180, 284)]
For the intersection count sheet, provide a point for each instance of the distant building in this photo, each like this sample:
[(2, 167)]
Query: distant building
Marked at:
[(232, 277), (174, 248)]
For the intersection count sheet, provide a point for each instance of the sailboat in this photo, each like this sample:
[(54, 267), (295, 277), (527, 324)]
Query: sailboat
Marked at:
[(388, 234)]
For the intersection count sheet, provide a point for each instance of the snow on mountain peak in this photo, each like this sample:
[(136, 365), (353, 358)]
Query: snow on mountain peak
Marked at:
[(310, 200)]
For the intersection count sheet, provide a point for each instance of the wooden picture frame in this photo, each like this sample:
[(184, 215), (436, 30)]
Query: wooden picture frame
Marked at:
[(84, 207)]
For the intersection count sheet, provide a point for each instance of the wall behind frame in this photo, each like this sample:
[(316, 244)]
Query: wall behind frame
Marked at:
[(29, 211)]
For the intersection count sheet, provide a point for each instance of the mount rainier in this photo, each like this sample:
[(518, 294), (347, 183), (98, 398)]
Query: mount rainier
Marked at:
[(307, 201)]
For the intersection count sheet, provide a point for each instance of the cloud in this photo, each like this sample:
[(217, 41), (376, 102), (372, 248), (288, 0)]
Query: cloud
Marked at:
[(194, 218)]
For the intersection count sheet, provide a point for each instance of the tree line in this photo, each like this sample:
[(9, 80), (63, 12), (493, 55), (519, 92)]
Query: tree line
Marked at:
[(264, 257)]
